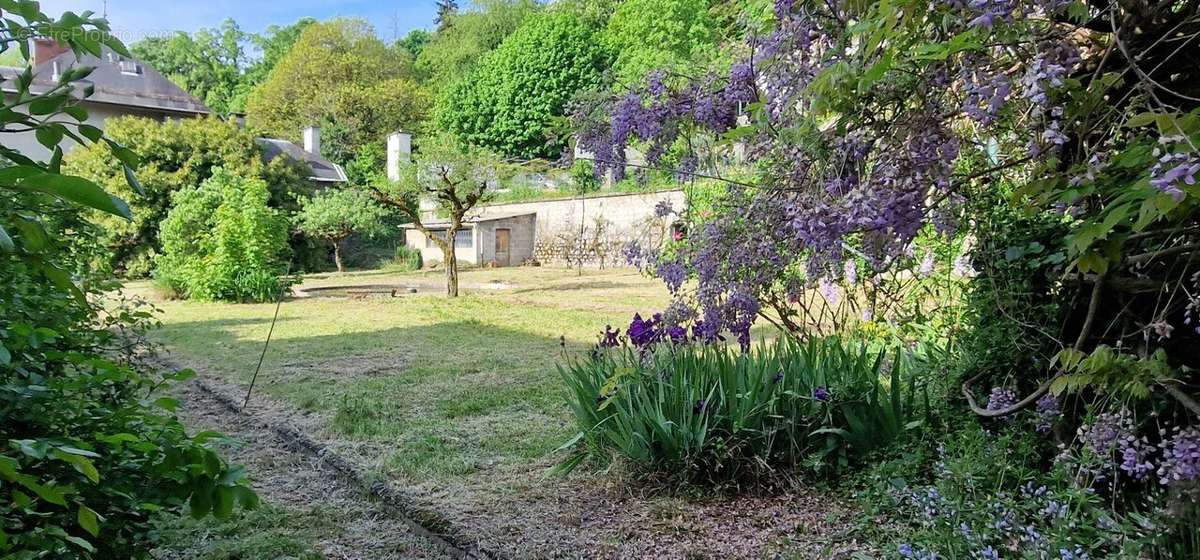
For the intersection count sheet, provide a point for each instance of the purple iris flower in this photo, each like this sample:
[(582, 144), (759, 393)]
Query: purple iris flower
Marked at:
[(821, 394)]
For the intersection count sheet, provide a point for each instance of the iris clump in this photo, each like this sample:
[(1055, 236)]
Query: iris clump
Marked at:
[(712, 414)]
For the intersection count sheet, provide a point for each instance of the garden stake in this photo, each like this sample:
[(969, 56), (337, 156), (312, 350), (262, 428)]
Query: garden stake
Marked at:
[(261, 357)]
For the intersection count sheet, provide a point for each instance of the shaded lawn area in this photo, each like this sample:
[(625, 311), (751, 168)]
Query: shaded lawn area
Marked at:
[(448, 386)]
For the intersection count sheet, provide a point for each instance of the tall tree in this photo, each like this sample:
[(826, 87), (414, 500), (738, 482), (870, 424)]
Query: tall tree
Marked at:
[(454, 51), (649, 35), (208, 64), (457, 178), (341, 76), (513, 101), (445, 9)]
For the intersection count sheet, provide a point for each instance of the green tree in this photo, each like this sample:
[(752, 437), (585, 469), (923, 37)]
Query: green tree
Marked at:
[(339, 72), (457, 178), (445, 10), (514, 100), (174, 156), (208, 64), (649, 35), (415, 42), (454, 51), (221, 241), (335, 214)]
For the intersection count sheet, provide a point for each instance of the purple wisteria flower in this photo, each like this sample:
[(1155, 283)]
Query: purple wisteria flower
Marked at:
[(1180, 457), (664, 208), (1001, 398), (1173, 172), (1049, 410)]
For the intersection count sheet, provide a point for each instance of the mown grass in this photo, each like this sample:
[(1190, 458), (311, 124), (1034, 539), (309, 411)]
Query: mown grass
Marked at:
[(267, 532), (448, 387)]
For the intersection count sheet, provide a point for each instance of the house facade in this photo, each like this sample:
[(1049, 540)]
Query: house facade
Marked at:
[(122, 87), (496, 240)]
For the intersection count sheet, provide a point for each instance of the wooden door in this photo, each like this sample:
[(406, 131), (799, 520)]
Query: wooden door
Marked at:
[(502, 238)]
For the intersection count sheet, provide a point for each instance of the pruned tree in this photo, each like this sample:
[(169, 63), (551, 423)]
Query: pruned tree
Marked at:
[(457, 178), (336, 214)]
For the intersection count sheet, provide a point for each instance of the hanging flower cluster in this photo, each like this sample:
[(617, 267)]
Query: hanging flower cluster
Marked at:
[(874, 178)]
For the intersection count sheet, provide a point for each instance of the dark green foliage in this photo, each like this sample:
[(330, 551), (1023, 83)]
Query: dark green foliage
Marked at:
[(222, 242), (89, 453), (513, 100), (1014, 305), (710, 414)]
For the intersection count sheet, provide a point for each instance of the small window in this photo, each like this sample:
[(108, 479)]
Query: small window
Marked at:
[(462, 239), (130, 68)]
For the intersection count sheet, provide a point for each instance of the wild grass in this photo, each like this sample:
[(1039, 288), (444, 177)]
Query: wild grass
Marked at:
[(439, 388)]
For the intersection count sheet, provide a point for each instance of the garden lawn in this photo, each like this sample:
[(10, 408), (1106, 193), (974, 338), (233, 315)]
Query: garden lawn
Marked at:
[(448, 387), (459, 404)]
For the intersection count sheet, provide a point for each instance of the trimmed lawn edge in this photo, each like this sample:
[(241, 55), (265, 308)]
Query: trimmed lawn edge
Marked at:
[(422, 521)]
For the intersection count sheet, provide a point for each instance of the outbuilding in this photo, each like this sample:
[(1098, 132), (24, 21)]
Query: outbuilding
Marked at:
[(497, 240)]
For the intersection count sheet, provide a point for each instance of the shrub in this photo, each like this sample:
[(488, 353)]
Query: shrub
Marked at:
[(407, 258), (222, 242), (174, 156), (709, 414), (334, 214)]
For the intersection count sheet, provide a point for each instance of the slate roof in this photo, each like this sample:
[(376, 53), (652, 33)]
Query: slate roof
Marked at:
[(117, 81), (323, 170)]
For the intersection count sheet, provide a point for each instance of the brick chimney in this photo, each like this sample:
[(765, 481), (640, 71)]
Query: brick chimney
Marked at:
[(44, 49), (312, 140)]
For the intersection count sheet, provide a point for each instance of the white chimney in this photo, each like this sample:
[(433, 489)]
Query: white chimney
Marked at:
[(399, 150), (312, 140)]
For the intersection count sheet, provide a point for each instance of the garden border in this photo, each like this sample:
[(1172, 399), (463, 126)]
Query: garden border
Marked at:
[(423, 522)]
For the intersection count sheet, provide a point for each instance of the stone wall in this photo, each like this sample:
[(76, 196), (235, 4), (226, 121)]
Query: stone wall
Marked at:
[(592, 231)]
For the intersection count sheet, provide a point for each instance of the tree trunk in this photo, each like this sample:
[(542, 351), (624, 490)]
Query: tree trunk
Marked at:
[(451, 262), (337, 255)]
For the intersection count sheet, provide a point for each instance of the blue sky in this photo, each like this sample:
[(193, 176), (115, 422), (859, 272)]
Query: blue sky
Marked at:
[(135, 19)]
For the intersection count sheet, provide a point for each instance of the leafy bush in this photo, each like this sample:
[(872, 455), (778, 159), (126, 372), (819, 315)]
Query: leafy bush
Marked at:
[(222, 242), (407, 258), (707, 413), (174, 156)]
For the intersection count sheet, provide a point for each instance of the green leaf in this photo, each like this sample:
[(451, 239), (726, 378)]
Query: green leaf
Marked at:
[(5, 355), (132, 180), (1141, 119), (246, 497), (201, 503), (223, 500), (167, 403), (89, 520), (79, 463), (78, 190)]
